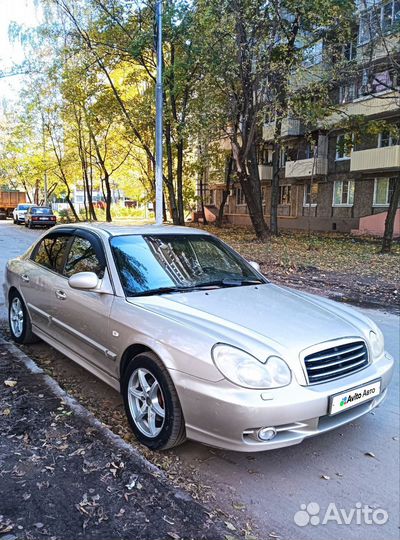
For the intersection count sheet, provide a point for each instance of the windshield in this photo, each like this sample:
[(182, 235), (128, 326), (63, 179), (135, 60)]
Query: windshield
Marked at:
[(23, 206), (41, 211), (169, 263)]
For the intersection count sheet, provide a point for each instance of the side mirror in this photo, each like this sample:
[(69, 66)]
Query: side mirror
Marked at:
[(255, 265), (84, 281)]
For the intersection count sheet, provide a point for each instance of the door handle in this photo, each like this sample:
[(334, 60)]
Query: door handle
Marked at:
[(60, 294), (25, 278)]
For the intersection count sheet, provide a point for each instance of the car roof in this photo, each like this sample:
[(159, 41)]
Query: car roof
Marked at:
[(110, 229)]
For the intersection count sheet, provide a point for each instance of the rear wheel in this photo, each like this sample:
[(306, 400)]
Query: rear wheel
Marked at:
[(30, 225), (19, 321), (152, 403)]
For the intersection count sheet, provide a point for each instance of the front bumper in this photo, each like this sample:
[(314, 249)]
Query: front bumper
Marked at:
[(227, 416)]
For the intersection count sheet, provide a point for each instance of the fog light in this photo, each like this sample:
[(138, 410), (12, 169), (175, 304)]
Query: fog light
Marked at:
[(266, 434)]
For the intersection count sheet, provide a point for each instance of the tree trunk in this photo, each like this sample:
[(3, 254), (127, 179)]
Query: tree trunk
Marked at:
[(179, 182), (225, 193), (201, 185), (389, 223), (170, 176), (275, 179), (70, 203), (108, 197)]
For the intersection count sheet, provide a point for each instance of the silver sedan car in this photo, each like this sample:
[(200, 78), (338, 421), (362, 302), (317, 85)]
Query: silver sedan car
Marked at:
[(197, 340)]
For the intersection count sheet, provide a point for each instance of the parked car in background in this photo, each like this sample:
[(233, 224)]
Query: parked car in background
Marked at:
[(40, 216), (200, 344), (19, 213)]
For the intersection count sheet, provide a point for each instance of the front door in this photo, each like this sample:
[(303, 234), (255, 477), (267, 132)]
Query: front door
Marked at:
[(81, 318)]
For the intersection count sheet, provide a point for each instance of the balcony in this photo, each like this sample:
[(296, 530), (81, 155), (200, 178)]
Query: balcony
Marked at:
[(291, 127), (265, 172), (303, 168), (375, 159), (386, 102)]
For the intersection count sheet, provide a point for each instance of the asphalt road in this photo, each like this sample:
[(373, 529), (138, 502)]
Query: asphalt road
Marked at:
[(342, 470)]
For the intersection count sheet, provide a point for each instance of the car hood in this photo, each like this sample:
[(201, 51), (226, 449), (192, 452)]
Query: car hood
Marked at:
[(287, 320)]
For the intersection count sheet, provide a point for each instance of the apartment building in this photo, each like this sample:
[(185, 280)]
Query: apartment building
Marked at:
[(331, 180)]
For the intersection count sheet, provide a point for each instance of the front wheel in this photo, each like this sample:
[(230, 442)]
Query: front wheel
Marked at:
[(19, 321), (152, 404)]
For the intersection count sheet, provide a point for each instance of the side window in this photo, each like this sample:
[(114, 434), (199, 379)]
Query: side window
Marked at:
[(82, 257), (50, 252)]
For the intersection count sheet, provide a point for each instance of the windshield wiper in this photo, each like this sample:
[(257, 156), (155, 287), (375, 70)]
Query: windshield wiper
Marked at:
[(217, 283), (228, 282), (162, 290)]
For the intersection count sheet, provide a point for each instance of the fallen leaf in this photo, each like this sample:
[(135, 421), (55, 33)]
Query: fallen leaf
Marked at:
[(230, 526), (10, 383), (325, 477)]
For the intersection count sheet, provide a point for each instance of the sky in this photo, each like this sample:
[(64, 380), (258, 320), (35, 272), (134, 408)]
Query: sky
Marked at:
[(22, 12)]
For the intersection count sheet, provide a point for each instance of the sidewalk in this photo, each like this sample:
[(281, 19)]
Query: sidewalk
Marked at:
[(63, 475)]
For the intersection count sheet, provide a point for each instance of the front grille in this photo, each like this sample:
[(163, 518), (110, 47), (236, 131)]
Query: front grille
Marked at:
[(336, 362)]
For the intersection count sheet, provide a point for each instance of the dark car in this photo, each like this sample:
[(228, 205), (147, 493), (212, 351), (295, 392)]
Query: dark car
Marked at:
[(39, 216)]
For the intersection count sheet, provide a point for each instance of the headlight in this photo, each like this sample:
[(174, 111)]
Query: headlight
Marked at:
[(243, 369), (377, 343)]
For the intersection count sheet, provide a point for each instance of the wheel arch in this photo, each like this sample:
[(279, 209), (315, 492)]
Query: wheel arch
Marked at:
[(11, 290), (130, 352)]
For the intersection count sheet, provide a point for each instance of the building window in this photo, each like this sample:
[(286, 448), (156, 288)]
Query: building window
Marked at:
[(313, 54), (343, 193), (342, 147), (347, 92), (285, 194), (383, 191), (310, 195), (240, 199), (386, 139), (383, 18), (282, 157), (212, 197), (350, 50)]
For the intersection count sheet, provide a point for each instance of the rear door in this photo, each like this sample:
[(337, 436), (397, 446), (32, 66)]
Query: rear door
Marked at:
[(38, 274), (81, 318)]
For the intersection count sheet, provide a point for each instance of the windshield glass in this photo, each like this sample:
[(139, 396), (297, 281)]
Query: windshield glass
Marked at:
[(23, 206), (41, 211), (165, 263)]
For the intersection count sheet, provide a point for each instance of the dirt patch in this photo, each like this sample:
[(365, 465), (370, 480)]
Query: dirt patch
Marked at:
[(65, 476)]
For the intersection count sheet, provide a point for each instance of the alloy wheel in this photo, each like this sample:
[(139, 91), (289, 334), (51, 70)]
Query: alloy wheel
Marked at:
[(146, 402), (17, 317)]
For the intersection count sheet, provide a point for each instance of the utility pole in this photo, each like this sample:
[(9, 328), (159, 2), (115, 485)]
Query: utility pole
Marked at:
[(44, 161), (159, 118)]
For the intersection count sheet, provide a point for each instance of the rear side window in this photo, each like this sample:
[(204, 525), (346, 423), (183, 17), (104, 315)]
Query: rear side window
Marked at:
[(83, 257), (51, 251)]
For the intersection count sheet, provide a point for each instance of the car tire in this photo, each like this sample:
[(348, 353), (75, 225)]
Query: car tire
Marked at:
[(30, 225), (21, 330), (158, 402), (15, 221)]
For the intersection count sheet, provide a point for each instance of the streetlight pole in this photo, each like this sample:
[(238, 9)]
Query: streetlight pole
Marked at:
[(44, 161), (159, 118)]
